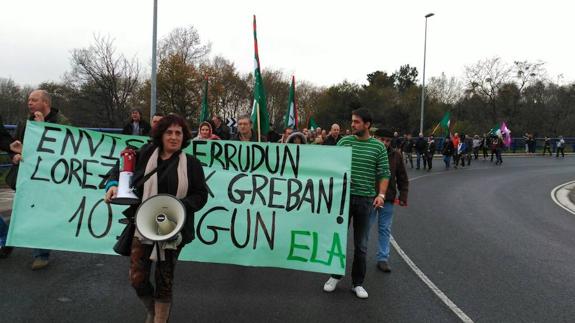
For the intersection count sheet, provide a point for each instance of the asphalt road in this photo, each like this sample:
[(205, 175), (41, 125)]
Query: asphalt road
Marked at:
[(489, 237)]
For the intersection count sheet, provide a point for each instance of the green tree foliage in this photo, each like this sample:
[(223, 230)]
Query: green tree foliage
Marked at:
[(334, 105)]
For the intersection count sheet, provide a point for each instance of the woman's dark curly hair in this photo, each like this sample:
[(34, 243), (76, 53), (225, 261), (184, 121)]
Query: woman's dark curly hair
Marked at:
[(165, 123)]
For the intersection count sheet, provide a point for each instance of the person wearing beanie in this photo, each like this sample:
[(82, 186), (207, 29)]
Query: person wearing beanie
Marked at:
[(398, 182)]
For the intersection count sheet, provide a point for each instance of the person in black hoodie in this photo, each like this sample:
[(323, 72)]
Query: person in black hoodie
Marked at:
[(420, 149), (447, 152), (398, 182), (41, 110), (178, 174)]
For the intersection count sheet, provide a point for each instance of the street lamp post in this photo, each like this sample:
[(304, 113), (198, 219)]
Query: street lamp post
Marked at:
[(154, 71), (423, 78)]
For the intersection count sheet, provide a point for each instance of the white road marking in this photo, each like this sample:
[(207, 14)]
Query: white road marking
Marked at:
[(440, 294), (454, 308), (560, 195)]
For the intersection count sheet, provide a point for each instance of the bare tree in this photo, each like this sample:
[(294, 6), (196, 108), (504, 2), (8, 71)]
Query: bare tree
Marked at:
[(485, 79), (110, 78), (307, 96), (528, 73), (184, 42), (179, 77), (445, 90)]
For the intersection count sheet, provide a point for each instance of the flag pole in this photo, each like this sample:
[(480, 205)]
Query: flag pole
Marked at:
[(435, 129), (259, 122)]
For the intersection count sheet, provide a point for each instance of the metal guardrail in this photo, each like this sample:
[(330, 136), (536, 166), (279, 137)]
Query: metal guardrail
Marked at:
[(518, 145)]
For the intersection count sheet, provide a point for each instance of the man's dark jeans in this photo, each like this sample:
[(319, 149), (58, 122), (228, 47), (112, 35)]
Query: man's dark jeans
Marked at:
[(359, 210)]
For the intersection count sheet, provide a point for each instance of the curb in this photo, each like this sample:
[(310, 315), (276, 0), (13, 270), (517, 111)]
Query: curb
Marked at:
[(564, 196)]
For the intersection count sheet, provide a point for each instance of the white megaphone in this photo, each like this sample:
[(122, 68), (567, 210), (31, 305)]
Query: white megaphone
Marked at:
[(125, 195), (160, 217)]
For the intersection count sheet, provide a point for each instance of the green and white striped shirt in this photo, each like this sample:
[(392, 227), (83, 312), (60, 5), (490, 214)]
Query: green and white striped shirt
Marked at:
[(368, 164)]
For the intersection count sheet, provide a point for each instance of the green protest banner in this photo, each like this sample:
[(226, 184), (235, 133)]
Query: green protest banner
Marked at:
[(272, 205)]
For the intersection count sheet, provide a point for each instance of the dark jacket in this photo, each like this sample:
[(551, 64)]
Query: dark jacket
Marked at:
[(5, 137), (496, 143), (431, 148), (254, 137), (396, 142), (398, 180), (447, 148), (197, 189), (468, 145), (145, 128), (53, 117), (223, 131), (421, 145), (331, 141), (408, 145)]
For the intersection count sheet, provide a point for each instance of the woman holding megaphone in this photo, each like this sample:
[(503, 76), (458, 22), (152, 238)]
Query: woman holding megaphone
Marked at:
[(162, 168)]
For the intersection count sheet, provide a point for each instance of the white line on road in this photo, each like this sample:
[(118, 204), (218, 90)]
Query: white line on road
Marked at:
[(454, 308), (560, 195), (440, 294)]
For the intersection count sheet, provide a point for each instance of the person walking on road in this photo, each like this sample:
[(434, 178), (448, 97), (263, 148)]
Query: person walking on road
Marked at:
[(547, 145), (398, 181), (560, 147), (485, 145), (526, 140), (369, 165), (178, 174), (408, 146), (430, 152), (459, 153), (468, 149), (420, 149), (447, 152), (476, 146), (496, 147)]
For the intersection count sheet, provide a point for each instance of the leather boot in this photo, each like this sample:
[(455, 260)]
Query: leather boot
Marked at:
[(162, 312), (148, 302)]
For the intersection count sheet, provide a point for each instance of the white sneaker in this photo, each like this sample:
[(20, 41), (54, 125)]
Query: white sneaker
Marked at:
[(359, 291), (330, 285)]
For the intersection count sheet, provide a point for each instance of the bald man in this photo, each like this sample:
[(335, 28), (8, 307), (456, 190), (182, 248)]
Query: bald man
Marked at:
[(334, 136), (40, 110)]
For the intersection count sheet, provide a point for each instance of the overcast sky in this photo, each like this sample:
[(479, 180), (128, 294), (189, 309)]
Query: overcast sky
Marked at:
[(324, 42)]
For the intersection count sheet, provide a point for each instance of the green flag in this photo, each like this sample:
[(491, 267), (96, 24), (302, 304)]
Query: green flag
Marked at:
[(291, 114), (495, 131), (312, 124), (446, 122), (205, 113), (260, 117)]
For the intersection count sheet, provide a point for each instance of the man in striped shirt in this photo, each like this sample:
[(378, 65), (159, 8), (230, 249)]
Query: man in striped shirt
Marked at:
[(369, 166)]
